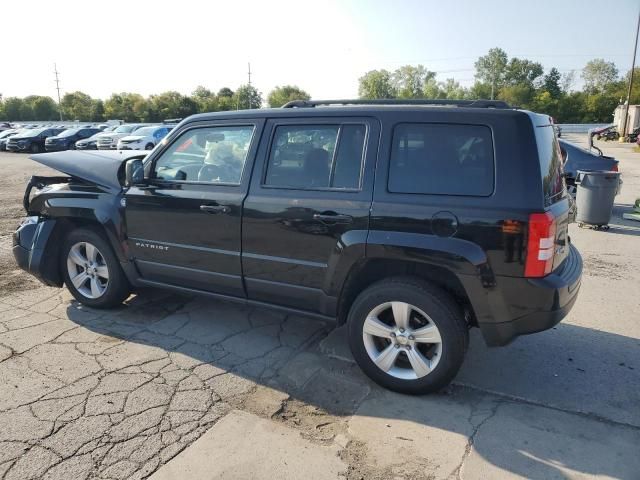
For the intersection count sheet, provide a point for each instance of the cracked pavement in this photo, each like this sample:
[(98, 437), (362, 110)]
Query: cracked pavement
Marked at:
[(171, 386)]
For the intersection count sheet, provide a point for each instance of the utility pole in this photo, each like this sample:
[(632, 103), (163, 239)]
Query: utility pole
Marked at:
[(623, 134), (249, 83), (55, 70)]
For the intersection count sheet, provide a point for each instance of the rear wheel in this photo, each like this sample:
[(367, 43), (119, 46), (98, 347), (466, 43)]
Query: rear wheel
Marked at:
[(407, 335), (91, 270)]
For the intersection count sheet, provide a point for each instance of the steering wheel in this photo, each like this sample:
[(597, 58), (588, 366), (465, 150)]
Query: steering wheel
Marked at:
[(209, 173)]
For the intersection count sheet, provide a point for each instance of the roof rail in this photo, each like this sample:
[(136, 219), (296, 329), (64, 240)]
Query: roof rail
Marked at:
[(399, 101)]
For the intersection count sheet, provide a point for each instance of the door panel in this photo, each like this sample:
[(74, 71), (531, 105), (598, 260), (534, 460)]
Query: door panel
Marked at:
[(183, 230), (295, 238)]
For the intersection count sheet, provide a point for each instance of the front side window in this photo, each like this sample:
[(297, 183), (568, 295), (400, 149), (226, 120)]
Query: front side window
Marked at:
[(316, 156), (211, 154), (442, 159)]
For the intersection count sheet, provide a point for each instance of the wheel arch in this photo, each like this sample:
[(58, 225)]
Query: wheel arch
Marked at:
[(371, 270)]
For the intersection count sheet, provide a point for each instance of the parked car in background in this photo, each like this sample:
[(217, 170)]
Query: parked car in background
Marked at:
[(67, 140), (110, 141), (144, 138), (5, 135), (5, 126), (576, 158), (91, 143), (32, 140)]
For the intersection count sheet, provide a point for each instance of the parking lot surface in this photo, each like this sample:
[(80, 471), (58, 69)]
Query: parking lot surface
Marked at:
[(172, 386)]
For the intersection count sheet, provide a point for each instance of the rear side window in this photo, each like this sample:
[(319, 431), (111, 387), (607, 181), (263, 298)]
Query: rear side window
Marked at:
[(553, 183), (316, 156), (442, 159)]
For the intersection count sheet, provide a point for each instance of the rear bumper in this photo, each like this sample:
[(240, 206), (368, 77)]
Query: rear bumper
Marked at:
[(543, 302)]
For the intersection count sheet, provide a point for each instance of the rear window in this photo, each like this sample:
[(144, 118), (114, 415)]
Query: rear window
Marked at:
[(442, 159), (553, 184)]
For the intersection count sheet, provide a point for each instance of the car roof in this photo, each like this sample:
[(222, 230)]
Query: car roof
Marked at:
[(362, 110)]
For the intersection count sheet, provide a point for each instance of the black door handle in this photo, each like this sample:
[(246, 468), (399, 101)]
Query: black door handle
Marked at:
[(215, 208), (333, 218)]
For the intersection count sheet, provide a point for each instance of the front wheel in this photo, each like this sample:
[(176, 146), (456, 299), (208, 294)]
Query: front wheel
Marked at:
[(35, 148), (407, 335), (91, 270)]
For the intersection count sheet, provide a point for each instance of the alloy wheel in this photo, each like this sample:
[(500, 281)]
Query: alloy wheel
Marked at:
[(87, 270), (402, 340)]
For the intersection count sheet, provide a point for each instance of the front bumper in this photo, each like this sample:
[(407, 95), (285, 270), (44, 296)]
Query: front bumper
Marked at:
[(17, 148), (29, 244), (54, 147), (546, 302)]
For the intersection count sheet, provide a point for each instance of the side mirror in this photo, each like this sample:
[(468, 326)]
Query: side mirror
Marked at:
[(134, 172)]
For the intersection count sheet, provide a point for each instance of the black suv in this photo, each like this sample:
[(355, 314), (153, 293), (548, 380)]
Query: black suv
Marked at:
[(67, 139), (409, 222), (31, 140)]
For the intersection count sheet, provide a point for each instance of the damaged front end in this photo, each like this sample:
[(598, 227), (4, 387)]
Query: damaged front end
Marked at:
[(89, 195)]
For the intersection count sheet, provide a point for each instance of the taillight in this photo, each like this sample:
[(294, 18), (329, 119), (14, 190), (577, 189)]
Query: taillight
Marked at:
[(540, 245), (615, 167)]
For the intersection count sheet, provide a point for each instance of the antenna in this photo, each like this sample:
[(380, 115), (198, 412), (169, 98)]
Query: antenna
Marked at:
[(55, 70)]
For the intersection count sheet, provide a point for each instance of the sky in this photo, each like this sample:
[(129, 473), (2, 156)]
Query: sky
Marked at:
[(323, 46)]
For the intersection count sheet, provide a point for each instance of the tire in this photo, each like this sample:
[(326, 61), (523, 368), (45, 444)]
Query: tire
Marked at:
[(149, 146), (420, 366), (111, 286), (35, 148)]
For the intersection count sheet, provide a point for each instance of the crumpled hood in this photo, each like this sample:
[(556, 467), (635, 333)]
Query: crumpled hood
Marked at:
[(101, 168)]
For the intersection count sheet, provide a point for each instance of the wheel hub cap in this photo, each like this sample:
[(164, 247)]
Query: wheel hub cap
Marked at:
[(402, 340), (87, 269)]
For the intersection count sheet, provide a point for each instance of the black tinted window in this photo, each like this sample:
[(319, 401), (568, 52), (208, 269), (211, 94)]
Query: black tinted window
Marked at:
[(316, 156), (442, 159), (551, 169)]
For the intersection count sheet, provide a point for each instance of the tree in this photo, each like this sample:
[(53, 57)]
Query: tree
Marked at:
[(453, 90), (76, 106), (171, 105), (522, 72), (551, 83), (247, 97), (517, 95), (44, 108), (597, 74), (225, 92), (12, 106), (491, 69), (97, 111), (567, 81), (433, 89), (376, 84), (205, 99), (130, 107), (408, 81), (281, 95)]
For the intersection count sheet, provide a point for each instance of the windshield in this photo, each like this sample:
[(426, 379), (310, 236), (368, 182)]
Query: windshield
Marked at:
[(125, 129), (69, 133), (32, 133), (144, 131), (7, 133)]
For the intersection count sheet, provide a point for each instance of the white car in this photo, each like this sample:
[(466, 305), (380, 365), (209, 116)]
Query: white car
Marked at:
[(110, 141), (144, 138)]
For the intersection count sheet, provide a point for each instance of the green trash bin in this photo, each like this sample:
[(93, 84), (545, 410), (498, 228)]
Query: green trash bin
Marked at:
[(594, 197)]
